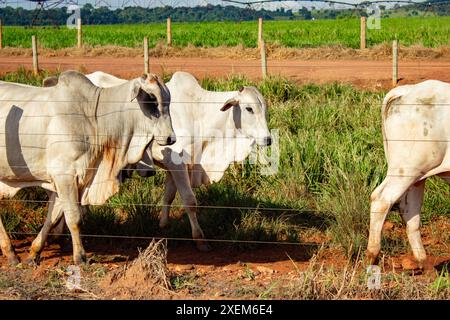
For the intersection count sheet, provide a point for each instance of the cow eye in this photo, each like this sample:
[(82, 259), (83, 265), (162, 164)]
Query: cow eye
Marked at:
[(249, 109)]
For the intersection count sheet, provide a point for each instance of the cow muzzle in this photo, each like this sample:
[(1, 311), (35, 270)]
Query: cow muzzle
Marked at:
[(171, 140), (167, 140), (266, 141)]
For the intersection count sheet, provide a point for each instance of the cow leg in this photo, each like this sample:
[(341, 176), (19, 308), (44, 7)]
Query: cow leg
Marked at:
[(170, 190), (181, 179), (68, 196), (382, 199), (5, 242), (410, 207), (53, 216), (6, 246)]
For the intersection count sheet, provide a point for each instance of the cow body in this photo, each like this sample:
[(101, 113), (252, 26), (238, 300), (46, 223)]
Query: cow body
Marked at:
[(213, 129), (416, 142), (73, 139)]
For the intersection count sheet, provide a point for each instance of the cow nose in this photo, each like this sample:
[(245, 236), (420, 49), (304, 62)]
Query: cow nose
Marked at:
[(171, 140), (268, 141)]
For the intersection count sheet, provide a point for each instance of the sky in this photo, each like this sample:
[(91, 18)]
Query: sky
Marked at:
[(294, 5)]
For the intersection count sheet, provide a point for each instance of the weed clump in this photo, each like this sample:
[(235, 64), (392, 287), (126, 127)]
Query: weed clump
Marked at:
[(144, 278)]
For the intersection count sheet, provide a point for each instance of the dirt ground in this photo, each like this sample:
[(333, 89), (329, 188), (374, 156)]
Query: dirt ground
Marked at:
[(368, 74), (226, 272)]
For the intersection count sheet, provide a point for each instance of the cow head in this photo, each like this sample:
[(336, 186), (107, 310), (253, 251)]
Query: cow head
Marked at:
[(154, 98), (250, 114)]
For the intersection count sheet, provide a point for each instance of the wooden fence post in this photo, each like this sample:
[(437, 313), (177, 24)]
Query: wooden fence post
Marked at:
[(146, 57), (1, 34), (363, 33), (263, 59), (35, 55), (79, 34), (260, 32), (394, 62), (169, 32)]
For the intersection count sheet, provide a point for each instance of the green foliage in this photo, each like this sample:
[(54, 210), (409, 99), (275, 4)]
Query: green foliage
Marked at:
[(26, 76), (428, 31), (442, 283)]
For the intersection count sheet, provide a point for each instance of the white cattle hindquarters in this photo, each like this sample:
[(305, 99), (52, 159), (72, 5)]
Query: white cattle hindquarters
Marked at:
[(416, 141)]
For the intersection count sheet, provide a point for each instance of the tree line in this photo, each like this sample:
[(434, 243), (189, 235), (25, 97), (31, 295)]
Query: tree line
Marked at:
[(130, 15)]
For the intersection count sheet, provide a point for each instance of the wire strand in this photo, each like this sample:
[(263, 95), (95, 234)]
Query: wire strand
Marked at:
[(257, 208), (175, 239), (172, 205), (272, 64)]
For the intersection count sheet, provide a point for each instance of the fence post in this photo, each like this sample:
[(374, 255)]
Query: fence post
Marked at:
[(263, 59), (35, 55), (146, 58), (169, 32), (363, 33), (79, 33), (260, 32), (394, 62), (1, 34)]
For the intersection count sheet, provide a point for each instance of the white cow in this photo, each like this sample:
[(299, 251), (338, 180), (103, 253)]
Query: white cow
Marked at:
[(416, 141), (73, 139), (213, 129)]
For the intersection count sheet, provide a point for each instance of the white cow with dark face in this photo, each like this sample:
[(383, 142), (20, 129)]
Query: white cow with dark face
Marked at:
[(213, 130), (416, 135), (73, 139)]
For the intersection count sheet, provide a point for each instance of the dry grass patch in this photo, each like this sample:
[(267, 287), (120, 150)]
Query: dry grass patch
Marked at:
[(146, 277), (274, 51), (320, 281)]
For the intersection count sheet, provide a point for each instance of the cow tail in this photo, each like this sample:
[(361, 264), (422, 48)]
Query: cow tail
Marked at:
[(388, 101)]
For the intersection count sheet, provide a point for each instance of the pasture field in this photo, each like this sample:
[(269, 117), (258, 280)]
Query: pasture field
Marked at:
[(331, 159), (427, 31)]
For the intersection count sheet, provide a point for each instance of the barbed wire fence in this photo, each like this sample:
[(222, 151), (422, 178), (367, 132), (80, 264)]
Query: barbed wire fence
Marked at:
[(257, 5)]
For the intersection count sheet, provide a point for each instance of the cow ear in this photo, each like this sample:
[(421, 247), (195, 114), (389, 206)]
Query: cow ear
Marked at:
[(50, 81), (230, 103), (135, 90)]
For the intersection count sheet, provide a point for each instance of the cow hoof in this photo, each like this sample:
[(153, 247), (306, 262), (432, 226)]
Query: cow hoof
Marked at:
[(202, 246), (80, 259), (33, 260), (371, 258)]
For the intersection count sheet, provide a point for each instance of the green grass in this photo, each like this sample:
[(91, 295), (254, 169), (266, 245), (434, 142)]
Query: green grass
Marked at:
[(428, 31), (331, 159)]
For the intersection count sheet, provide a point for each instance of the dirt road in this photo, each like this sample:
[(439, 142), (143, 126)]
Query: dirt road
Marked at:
[(361, 73)]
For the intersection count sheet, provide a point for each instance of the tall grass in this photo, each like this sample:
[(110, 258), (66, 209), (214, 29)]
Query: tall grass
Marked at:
[(320, 281), (331, 159), (428, 31)]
